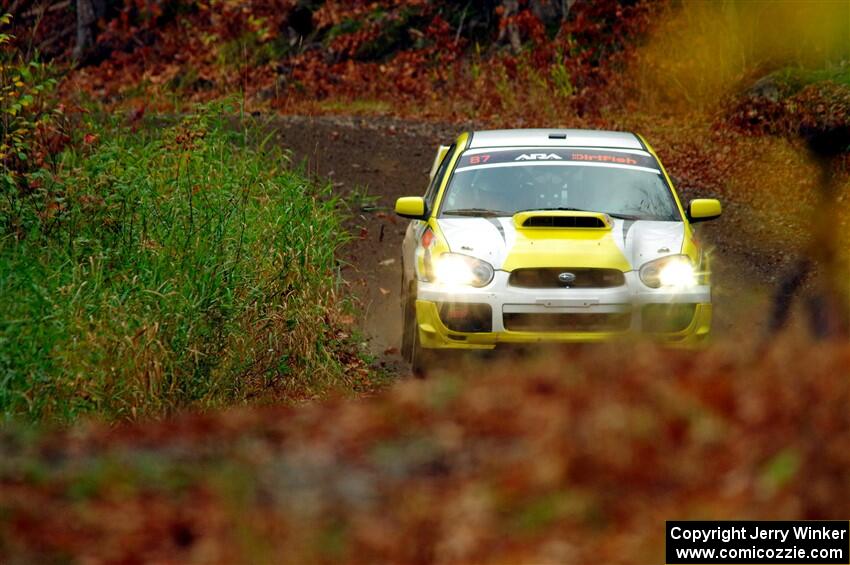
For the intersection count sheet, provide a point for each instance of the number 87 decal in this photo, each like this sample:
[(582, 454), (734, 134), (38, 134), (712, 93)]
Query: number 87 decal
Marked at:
[(478, 159)]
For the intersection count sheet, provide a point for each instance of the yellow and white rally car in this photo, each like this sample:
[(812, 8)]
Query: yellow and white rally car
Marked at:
[(558, 235)]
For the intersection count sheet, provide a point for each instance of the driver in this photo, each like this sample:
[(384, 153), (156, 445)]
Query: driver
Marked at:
[(500, 195), (491, 194)]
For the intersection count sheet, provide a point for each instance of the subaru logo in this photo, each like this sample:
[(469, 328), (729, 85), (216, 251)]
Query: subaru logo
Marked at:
[(567, 278)]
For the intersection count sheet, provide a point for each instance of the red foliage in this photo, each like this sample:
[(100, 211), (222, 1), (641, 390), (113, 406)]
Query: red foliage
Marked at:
[(403, 53), (575, 460)]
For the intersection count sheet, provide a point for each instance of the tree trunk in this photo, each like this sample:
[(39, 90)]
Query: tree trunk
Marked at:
[(566, 6), (85, 20), (510, 31), (88, 12)]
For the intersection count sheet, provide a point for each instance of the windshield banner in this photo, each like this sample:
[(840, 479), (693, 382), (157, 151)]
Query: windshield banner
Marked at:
[(555, 156)]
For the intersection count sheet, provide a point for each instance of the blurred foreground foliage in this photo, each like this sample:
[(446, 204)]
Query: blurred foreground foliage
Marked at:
[(159, 267), (578, 456)]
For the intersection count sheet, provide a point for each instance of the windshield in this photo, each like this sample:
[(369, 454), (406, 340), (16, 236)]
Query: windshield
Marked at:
[(498, 182)]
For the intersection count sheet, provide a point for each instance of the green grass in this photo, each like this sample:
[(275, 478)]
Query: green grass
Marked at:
[(153, 270), (794, 79)]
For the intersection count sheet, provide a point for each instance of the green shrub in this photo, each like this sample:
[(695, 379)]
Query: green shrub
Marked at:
[(185, 267), (30, 118)]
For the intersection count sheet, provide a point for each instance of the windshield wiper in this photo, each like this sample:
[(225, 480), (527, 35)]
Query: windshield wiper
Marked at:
[(484, 212), (612, 214), (476, 212), (560, 208)]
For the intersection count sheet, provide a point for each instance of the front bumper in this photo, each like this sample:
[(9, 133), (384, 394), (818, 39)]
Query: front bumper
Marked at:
[(624, 303)]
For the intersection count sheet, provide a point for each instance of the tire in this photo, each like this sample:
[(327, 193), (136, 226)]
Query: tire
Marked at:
[(420, 360), (411, 350), (408, 311)]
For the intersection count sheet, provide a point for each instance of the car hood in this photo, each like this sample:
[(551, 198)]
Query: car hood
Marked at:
[(626, 246)]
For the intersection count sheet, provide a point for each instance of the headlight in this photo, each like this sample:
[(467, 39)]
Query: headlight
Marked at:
[(672, 271), (454, 269)]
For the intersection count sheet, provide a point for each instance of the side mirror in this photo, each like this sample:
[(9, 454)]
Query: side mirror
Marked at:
[(702, 209), (411, 207)]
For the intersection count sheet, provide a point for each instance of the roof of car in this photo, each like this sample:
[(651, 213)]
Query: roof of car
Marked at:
[(555, 138)]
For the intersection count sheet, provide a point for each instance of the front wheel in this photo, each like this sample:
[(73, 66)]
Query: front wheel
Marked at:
[(411, 349)]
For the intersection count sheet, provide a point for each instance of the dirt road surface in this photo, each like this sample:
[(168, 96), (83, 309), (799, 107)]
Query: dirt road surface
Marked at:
[(386, 158)]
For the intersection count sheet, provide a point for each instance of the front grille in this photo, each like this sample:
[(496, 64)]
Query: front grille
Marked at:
[(666, 318), (600, 322), (462, 317), (584, 278)]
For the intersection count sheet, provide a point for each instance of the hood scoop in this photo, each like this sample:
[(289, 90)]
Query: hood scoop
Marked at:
[(562, 219)]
